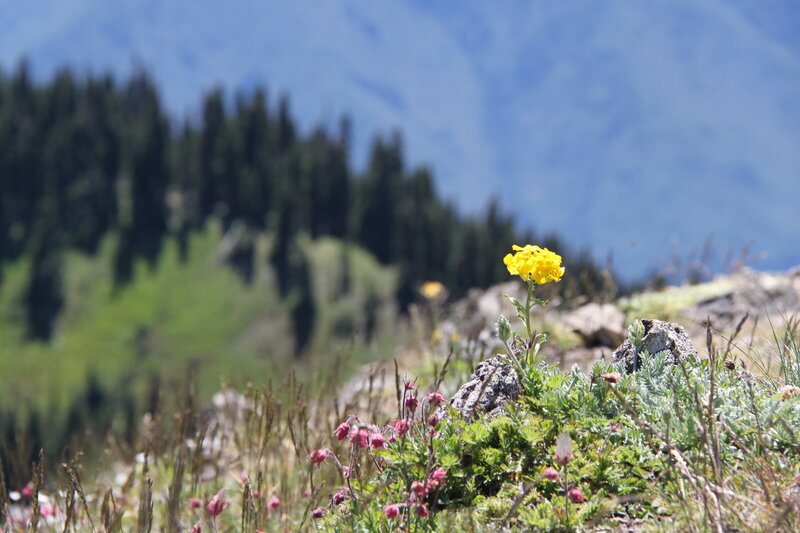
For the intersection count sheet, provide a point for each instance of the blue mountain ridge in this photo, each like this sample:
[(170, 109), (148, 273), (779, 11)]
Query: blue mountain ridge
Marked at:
[(623, 126)]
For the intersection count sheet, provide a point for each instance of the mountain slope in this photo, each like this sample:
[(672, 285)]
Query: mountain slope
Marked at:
[(620, 126)]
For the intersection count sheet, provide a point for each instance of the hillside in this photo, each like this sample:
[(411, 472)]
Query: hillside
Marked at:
[(562, 111), (699, 437)]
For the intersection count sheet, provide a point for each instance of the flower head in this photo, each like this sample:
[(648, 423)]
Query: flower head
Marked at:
[(550, 474), (435, 399), (564, 449), (377, 441), (195, 503), (217, 504), (611, 377), (360, 438), (196, 528), (392, 510), (319, 512), (533, 263), (401, 426), (418, 489), (575, 495), (431, 289), (273, 503), (317, 456), (342, 431), (412, 403), (422, 511)]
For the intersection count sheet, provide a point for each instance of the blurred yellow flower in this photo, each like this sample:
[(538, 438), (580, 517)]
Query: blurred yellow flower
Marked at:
[(534, 263), (431, 289)]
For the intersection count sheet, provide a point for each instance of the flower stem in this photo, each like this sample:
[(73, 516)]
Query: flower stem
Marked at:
[(528, 308)]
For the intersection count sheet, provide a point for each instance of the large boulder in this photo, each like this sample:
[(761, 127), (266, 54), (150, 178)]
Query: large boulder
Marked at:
[(658, 336), (598, 324), (493, 384)]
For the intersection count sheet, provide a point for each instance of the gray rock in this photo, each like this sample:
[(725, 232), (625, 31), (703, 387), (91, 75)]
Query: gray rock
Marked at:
[(493, 384), (753, 293), (598, 325), (658, 336)]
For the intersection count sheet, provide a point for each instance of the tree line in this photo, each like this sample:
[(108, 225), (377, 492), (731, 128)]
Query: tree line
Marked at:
[(83, 156)]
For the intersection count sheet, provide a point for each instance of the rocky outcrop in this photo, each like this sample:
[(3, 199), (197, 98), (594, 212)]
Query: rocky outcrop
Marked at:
[(493, 384), (658, 336), (598, 325), (752, 293)]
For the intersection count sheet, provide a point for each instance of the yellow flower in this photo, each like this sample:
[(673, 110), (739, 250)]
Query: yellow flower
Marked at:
[(431, 289), (534, 263)]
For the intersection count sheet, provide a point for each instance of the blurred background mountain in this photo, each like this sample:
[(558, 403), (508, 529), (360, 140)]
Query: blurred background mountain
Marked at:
[(625, 127)]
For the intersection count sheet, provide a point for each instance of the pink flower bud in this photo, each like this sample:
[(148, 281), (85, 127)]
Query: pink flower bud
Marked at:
[(550, 473), (360, 438), (196, 528), (338, 498), (433, 420), (563, 449), (422, 511), (418, 489), (217, 504), (409, 385), (195, 503), (391, 511), (612, 377), (319, 512), (317, 456), (439, 474), (273, 503), (575, 495), (377, 441), (400, 426), (412, 403), (342, 431), (435, 399)]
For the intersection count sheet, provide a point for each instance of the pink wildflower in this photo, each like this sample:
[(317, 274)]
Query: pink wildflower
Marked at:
[(563, 449), (195, 503), (433, 420), (338, 498), (273, 503), (27, 491), (550, 473), (317, 456), (412, 403), (435, 399), (409, 385), (439, 474), (217, 504), (360, 438), (422, 511), (319, 512), (377, 441), (575, 495), (400, 426), (342, 431), (391, 511), (196, 528), (418, 489)]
